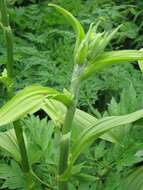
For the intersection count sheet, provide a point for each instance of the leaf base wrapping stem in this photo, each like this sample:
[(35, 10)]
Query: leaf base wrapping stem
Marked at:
[(66, 130)]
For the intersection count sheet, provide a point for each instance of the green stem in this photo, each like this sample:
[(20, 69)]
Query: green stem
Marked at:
[(65, 137), (10, 60), (21, 143), (24, 157), (8, 37)]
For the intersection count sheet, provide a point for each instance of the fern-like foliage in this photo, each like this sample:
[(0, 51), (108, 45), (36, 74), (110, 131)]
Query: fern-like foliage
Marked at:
[(13, 176)]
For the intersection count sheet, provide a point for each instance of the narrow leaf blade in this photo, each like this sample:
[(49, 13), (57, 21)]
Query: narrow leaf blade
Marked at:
[(74, 23), (109, 58)]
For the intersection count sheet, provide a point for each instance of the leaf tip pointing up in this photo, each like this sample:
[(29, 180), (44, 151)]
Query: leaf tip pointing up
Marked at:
[(73, 21)]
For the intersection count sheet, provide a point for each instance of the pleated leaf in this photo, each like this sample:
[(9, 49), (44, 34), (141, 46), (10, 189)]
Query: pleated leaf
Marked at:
[(9, 144), (141, 65), (81, 121), (141, 62), (109, 58), (134, 180), (28, 101), (92, 133)]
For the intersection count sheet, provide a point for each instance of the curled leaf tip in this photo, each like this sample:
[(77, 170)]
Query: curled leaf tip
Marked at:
[(73, 21), (51, 4)]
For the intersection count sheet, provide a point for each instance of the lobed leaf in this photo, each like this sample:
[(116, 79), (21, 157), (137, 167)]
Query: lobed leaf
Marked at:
[(12, 176), (6, 80)]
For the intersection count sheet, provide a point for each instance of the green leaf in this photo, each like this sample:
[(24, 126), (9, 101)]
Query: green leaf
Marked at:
[(38, 137), (12, 175), (82, 120), (74, 23), (130, 29), (133, 180), (109, 58), (99, 43), (8, 143), (141, 63), (28, 101), (93, 132), (6, 80), (82, 51)]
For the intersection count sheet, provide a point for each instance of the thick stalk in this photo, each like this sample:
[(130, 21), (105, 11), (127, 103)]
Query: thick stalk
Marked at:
[(21, 143), (8, 38), (65, 137), (10, 60), (24, 158)]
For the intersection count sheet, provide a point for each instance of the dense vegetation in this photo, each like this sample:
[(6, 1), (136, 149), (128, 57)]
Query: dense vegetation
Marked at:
[(43, 55)]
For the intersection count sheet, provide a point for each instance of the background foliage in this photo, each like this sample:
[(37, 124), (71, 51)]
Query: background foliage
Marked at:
[(44, 45), (43, 55)]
